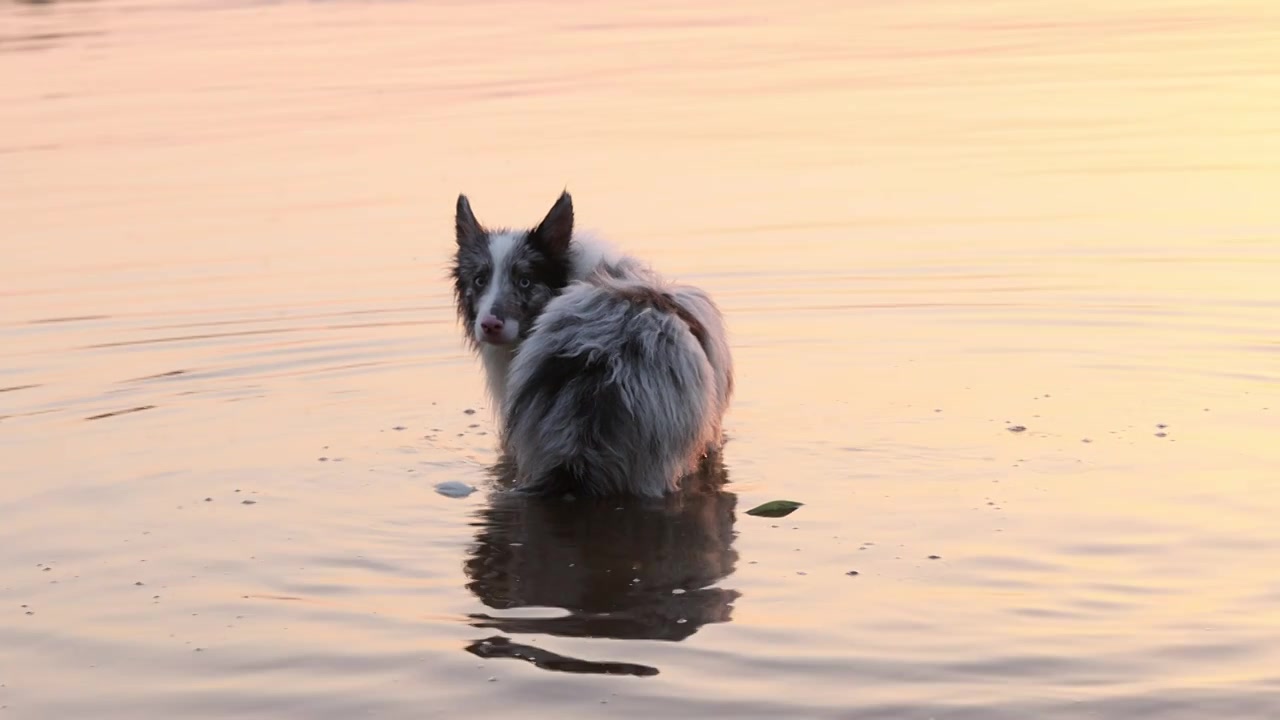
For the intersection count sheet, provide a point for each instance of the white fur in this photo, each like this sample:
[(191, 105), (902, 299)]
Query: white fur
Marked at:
[(500, 246), (497, 361)]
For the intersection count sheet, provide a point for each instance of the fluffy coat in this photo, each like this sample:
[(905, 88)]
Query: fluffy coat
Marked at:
[(607, 378)]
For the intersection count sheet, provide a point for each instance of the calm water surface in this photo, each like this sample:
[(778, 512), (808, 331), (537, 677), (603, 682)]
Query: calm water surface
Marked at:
[(230, 376)]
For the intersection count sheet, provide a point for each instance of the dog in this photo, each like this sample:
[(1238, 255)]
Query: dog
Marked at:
[(607, 379)]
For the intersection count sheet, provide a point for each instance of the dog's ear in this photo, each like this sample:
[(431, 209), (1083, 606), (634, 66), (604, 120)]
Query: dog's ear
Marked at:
[(556, 229), (467, 227)]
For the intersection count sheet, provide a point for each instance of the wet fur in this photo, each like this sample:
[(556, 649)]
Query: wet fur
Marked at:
[(614, 382)]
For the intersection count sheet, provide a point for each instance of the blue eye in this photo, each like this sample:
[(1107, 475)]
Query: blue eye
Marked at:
[(524, 282)]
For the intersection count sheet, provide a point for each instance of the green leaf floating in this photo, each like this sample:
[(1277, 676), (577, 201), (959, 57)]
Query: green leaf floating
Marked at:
[(775, 509)]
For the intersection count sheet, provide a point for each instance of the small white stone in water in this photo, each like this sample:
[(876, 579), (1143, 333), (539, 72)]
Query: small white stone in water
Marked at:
[(454, 489)]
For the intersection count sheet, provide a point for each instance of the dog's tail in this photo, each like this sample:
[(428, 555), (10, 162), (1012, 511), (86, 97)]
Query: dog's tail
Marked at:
[(620, 388)]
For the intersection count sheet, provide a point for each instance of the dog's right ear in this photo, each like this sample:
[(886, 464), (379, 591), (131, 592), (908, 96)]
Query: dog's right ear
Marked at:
[(465, 223)]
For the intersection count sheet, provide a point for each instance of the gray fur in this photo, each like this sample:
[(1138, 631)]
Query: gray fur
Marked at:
[(620, 383)]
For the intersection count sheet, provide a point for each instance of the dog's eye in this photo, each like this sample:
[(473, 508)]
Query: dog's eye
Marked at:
[(479, 281), (524, 282)]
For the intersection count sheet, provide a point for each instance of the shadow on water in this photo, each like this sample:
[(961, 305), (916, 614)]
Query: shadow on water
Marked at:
[(624, 569)]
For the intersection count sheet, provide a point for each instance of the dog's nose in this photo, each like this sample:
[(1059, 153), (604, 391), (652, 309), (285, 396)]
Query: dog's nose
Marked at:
[(491, 325)]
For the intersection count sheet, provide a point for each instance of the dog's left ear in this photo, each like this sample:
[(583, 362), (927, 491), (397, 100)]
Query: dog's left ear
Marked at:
[(468, 228), (556, 229)]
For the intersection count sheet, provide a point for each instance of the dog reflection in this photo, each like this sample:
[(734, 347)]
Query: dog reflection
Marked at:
[(617, 568)]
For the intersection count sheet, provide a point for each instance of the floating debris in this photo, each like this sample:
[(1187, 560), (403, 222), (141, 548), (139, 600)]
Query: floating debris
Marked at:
[(454, 489), (115, 413), (775, 509)]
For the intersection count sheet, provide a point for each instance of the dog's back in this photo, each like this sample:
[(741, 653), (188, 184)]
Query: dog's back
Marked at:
[(620, 387)]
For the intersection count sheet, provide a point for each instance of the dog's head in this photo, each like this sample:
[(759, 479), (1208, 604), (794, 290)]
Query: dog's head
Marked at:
[(504, 278)]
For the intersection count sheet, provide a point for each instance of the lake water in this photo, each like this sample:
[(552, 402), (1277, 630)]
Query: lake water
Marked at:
[(230, 374)]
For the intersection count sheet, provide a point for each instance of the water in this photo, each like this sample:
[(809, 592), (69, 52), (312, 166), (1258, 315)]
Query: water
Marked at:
[(231, 371)]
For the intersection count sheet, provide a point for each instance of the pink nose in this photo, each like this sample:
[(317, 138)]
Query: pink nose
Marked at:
[(491, 325)]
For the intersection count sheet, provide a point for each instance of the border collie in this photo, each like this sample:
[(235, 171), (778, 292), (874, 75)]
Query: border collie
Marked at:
[(607, 379)]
